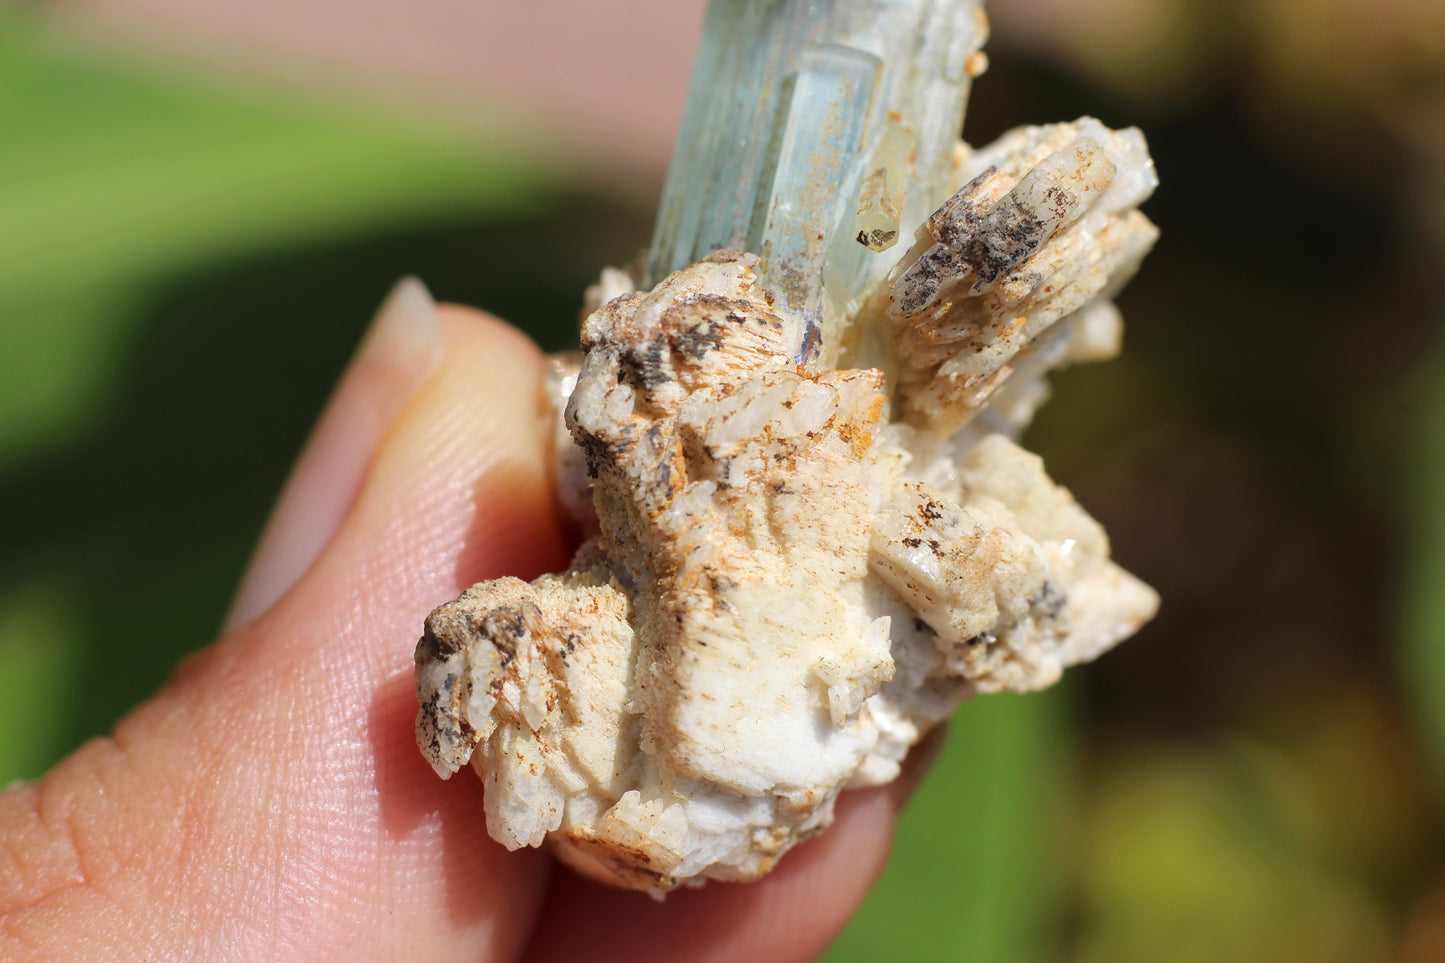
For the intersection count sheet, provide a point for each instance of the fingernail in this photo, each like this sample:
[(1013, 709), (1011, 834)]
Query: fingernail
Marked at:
[(406, 338), (400, 350)]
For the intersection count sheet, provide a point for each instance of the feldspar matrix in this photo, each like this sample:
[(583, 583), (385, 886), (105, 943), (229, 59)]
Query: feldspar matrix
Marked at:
[(791, 429)]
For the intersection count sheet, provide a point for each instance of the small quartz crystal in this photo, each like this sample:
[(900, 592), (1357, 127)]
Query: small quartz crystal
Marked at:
[(814, 531)]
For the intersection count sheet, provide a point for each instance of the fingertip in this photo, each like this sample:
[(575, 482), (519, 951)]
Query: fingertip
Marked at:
[(272, 786), (402, 347), (456, 486)]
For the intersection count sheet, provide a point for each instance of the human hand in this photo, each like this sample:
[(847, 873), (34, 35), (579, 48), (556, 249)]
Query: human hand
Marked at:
[(270, 803)]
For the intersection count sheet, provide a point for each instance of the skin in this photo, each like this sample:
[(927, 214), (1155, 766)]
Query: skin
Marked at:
[(269, 803)]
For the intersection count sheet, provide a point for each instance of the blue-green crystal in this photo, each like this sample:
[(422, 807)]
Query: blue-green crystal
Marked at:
[(791, 107)]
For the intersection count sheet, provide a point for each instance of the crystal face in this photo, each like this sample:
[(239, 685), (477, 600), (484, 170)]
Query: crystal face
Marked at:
[(808, 124), (813, 533)]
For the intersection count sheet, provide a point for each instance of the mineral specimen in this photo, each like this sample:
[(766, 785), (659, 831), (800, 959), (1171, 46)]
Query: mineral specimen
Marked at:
[(815, 535)]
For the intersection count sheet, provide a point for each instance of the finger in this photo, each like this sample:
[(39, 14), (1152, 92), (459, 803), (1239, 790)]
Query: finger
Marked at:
[(792, 914), (400, 351), (269, 803)]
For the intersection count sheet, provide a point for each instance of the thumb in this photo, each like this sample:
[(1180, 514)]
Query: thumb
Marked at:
[(269, 803)]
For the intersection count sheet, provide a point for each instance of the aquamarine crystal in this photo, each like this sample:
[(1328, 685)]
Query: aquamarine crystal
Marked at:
[(814, 135)]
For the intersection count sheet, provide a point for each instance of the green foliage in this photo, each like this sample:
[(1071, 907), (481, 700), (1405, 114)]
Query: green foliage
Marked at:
[(980, 862)]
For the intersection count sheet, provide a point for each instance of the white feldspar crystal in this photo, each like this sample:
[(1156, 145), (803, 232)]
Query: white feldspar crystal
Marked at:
[(812, 532), (1046, 224)]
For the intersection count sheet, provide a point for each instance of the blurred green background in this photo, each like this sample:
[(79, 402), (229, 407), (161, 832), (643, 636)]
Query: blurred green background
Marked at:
[(187, 257)]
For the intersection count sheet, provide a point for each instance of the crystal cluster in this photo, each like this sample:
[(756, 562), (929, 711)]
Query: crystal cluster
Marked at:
[(815, 534)]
